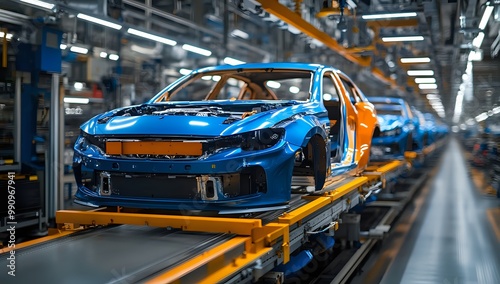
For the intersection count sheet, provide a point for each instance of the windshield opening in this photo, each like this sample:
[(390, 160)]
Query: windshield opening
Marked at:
[(242, 85), (389, 109)]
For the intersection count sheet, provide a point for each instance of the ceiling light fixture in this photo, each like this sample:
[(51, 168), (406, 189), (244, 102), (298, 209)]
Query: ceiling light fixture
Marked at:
[(389, 16), (496, 110), (425, 80), (79, 49), (481, 117), (402, 38), (8, 36), (103, 54), (195, 49), (83, 101), (420, 73), (114, 57), (433, 96), (233, 61), (152, 37), (475, 55), (427, 86), (78, 86), (416, 60), (486, 17), (239, 33), (458, 107), (63, 46), (478, 40), (99, 21), (39, 4)]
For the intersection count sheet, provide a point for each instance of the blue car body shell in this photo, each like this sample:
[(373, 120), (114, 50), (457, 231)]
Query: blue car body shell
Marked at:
[(226, 175), (397, 128)]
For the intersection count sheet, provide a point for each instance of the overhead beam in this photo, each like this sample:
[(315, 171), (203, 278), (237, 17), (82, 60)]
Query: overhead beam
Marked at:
[(393, 23), (294, 19)]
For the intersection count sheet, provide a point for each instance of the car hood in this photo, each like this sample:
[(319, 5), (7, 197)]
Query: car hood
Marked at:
[(389, 122), (202, 119)]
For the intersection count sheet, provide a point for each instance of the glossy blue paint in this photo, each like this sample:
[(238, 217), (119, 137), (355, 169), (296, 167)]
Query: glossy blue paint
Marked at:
[(296, 263), (397, 128), (258, 176)]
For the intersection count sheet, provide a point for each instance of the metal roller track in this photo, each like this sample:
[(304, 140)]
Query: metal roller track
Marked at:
[(117, 254)]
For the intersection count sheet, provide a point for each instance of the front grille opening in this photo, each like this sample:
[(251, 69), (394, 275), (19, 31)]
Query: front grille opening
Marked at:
[(210, 189), (105, 186)]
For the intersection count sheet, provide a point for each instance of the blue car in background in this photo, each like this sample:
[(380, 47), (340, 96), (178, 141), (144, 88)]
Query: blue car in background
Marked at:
[(423, 131), (230, 139), (397, 128)]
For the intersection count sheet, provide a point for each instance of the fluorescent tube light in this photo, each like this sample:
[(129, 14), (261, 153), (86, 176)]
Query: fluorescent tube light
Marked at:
[(63, 46), (481, 117), (78, 49), (420, 73), (233, 61), (416, 60), (478, 40), (103, 54), (152, 37), (475, 55), (195, 49), (433, 96), (9, 36), (425, 80), (389, 16), (427, 86), (99, 21), (83, 101), (114, 57), (402, 38), (239, 33), (185, 71), (78, 86), (39, 4), (294, 30), (486, 17)]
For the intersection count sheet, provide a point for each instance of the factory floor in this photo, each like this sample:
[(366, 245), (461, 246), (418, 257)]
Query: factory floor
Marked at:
[(450, 233)]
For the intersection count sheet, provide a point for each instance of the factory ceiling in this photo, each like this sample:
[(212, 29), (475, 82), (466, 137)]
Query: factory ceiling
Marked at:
[(359, 41)]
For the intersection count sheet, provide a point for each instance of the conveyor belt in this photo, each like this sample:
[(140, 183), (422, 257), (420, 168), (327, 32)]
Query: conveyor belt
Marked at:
[(240, 248), (117, 254)]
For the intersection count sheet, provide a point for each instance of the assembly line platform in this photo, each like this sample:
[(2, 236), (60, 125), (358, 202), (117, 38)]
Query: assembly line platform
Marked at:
[(112, 245), (449, 234)]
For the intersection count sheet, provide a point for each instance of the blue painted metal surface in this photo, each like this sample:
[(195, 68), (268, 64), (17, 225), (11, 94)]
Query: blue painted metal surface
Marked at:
[(397, 128), (224, 127), (296, 263)]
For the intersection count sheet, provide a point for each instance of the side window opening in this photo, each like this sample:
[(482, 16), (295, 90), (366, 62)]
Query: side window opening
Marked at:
[(350, 90), (331, 101)]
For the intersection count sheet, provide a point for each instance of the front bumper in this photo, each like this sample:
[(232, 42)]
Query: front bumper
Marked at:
[(227, 180), (389, 147)]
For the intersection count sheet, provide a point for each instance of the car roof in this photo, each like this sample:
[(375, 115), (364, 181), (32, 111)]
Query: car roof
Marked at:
[(276, 65)]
